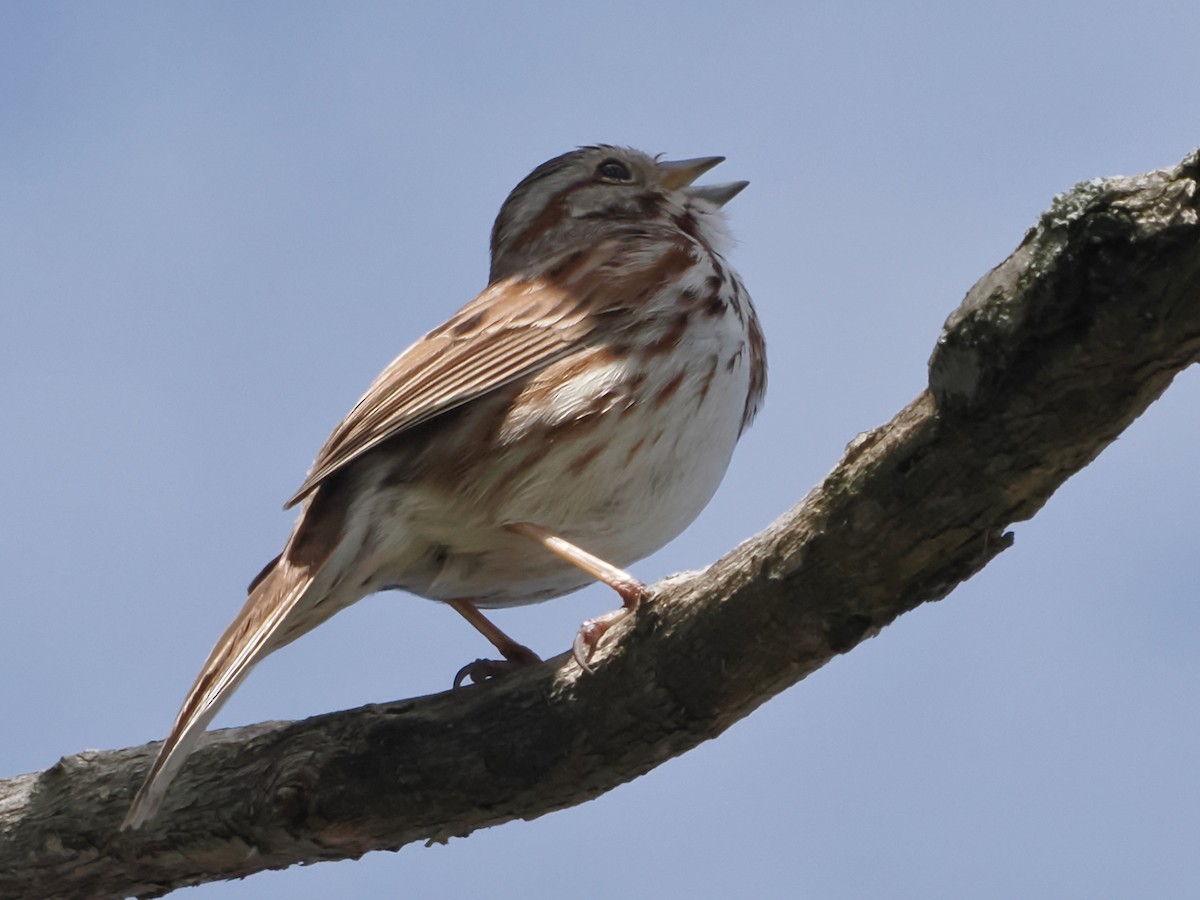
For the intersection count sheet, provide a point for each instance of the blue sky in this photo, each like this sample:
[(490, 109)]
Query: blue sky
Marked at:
[(218, 221)]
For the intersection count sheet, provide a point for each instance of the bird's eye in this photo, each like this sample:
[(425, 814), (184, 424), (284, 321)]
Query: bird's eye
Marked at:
[(614, 170)]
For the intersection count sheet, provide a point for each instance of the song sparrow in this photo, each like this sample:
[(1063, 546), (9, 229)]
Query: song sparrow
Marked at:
[(572, 418)]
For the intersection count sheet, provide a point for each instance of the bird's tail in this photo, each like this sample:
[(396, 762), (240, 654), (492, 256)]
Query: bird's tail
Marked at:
[(273, 616)]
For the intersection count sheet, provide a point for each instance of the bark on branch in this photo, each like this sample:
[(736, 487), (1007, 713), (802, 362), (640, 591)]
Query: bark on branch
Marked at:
[(1050, 356)]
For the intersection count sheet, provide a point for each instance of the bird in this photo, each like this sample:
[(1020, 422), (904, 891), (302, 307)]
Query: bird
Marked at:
[(573, 418)]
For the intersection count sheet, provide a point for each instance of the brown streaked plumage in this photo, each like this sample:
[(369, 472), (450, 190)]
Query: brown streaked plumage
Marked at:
[(571, 419)]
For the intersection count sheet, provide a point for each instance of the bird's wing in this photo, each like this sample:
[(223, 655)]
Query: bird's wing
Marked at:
[(514, 328), (511, 329)]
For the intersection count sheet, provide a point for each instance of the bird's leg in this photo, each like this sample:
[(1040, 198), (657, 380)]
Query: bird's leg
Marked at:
[(631, 591), (516, 656)]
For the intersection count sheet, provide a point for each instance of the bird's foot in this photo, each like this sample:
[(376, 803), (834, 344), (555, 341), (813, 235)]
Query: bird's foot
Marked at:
[(481, 670), (590, 632)]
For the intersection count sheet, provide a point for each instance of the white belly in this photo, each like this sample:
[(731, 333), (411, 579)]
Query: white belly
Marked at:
[(617, 457), (641, 475)]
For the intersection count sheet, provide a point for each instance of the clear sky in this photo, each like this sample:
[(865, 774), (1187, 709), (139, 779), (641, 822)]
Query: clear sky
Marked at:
[(218, 221)]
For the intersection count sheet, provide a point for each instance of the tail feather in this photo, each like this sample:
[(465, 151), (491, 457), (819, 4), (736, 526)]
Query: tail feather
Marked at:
[(262, 626)]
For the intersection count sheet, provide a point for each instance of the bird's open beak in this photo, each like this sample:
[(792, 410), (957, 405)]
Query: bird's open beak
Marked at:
[(680, 173), (717, 194), (677, 174)]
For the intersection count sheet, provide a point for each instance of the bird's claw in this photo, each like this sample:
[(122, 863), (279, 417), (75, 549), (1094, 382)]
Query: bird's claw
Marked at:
[(482, 670), (583, 646), (590, 633)]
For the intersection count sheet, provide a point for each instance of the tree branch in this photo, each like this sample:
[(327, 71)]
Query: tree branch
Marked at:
[(1050, 356)]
